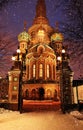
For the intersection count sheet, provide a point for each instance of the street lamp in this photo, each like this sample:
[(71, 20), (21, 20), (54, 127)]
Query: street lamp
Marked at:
[(18, 52), (20, 66), (59, 58), (61, 65), (20, 81), (63, 51), (62, 85), (13, 58)]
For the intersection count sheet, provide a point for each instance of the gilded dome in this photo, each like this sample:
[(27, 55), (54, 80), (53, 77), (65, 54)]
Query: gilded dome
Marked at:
[(57, 37), (24, 36)]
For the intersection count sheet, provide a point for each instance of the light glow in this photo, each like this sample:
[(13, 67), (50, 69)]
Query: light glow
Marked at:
[(41, 33), (18, 50), (63, 50), (40, 70), (13, 58), (59, 58)]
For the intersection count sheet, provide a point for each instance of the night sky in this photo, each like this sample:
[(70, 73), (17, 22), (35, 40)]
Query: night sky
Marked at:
[(13, 13)]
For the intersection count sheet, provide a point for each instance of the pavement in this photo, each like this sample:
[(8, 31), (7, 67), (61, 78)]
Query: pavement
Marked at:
[(43, 120)]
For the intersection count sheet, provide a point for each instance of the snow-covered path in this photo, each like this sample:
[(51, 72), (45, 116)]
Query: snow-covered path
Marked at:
[(39, 121)]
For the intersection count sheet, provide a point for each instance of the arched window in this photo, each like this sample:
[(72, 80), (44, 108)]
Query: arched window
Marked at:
[(41, 35), (33, 94), (48, 71), (41, 70), (49, 94), (34, 71), (22, 45)]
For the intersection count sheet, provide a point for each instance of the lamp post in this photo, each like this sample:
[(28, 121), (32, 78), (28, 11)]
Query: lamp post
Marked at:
[(18, 52), (20, 100), (62, 82), (61, 65), (20, 66), (13, 58)]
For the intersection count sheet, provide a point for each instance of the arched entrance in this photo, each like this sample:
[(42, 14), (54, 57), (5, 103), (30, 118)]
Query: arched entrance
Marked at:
[(37, 102), (41, 93), (49, 94)]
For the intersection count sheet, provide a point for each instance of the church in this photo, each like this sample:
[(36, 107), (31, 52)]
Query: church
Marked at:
[(40, 68)]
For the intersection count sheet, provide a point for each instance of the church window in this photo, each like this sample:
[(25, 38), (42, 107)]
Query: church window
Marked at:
[(15, 79), (14, 88), (48, 71), (22, 45), (49, 94), (41, 70), (33, 94), (34, 70), (41, 35)]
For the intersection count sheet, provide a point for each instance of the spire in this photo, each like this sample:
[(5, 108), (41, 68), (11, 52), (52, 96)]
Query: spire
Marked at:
[(25, 23), (57, 26), (41, 8)]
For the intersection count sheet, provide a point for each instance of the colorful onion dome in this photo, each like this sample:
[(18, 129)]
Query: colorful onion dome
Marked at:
[(57, 37), (24, 36)]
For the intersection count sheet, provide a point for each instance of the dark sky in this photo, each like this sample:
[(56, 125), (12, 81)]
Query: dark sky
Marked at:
[(13, 13)]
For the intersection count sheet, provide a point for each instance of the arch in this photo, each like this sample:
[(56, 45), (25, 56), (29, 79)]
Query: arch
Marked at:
[(34, 70), (48, 70), (41, 92), (40, 70), (40, 49), (33, 94), (49, 94)]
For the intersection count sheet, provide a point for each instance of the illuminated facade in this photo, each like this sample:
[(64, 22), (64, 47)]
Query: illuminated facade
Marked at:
[(40, 49)]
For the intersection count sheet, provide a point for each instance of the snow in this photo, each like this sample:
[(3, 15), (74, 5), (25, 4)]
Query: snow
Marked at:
[(42, 120), (77, 115)]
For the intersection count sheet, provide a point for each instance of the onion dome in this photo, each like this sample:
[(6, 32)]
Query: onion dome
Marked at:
[(57, 37), (23, 37)]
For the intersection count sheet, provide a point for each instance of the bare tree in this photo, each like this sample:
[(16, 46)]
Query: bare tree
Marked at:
[(73, 25), (7, 45), (3, 3)]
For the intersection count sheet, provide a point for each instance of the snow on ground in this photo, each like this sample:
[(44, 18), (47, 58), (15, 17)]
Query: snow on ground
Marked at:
[(77, 115), (43, 120)]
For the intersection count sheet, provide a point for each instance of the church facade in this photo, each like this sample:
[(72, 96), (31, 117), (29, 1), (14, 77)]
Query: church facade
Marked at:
[(40, 65)]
